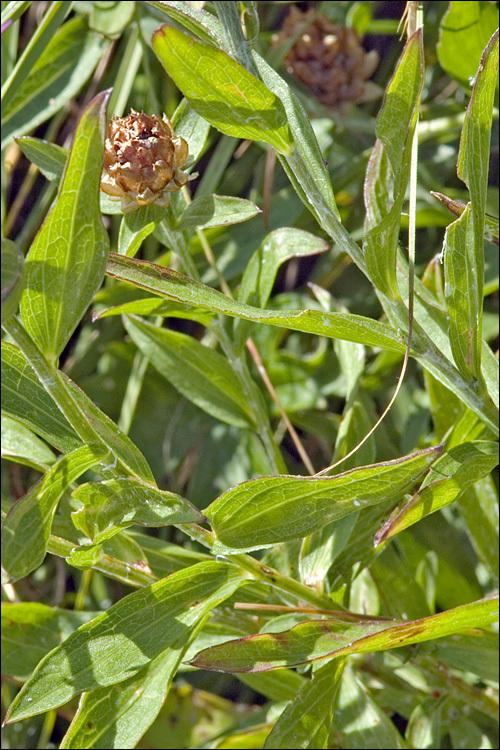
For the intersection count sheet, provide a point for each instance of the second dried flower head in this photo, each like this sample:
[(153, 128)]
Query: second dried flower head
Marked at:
[(143, 160)]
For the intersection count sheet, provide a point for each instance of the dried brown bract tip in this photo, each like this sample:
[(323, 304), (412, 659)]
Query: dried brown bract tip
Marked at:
[(327, 58), (143, 160)]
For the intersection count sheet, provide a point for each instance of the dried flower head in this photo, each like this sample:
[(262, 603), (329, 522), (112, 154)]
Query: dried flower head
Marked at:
[(327, 57), (143, 160)]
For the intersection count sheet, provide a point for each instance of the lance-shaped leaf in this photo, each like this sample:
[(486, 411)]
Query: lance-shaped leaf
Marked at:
[(320, 639), (21, 445), (174, 285), (307, 720), (464, 244), (66, 263), (199, 373), (221, 90), (451, 475), (24, 398), (119, 642), (395, 128), (264, 511), (116, 716), (26, 528), (30, 630), (117, 503)]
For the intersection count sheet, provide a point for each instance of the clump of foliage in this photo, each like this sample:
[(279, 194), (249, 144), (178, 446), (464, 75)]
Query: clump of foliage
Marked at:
[(173, 392)]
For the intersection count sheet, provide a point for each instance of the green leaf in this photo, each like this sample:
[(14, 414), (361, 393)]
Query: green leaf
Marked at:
[(117, 503), (320, 639), (50, 158), (359, 720), (26, 528), (30, 630), (158, 306), (136, 226), (67, 261), (22, 446), (194, 129), (171, 284), (262, 512), (453, 473), (216, 211), (201, 374), (117, 643), (12, 278), (478, 507), (66, 62), (464, 32), (221, 90), (24, 398), (464, 244), (202, 24), (307, 720), (278, 247), (117, 716), (424, 725), (395, 127)]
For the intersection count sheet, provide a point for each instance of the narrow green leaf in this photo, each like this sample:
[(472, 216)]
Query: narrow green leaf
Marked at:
[(424, 725), (50, 158), (464, 243), (464, 32), (320, 639), (261, 512), (136, 226), (117, 503), (117, 643), (30, 630), (222, 91), (169, 283), (117, 716), (26, 528), (216, 211), (67, 261), (24, 398), (202, 24), (478, 507), (12, 278), (66, 63), (21, 445), (201, 374), (453, 473), (158, 306), (193, 128), (395, 127), (307, 720)]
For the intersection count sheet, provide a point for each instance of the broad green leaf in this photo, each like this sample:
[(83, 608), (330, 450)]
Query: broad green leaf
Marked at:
[(319, 550), (67, 261), (26, 529), (395, 127), (169, 283), (117, 503), (453, 473), (262, 512), (193, 128), (424, 725), (21, 445), (216, 211), (67, 61), (359, 720), (278, 247), (117, 643), (121, 446), (475, 652), (50, 158), (24, 398), (221, 90), (467, 733), (199, 22), (464, 244), (201, 374), (320, 639), (30, 630), (464, 32), (307, 720), (12, 278), (117, 716), (136, 226)]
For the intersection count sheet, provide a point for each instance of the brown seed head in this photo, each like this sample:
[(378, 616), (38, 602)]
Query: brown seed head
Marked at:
[(327, 58), (142, 161)]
